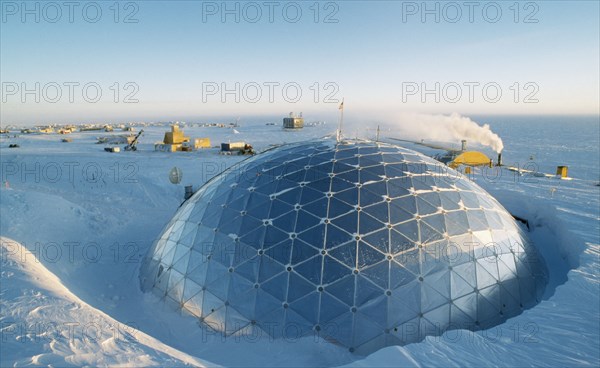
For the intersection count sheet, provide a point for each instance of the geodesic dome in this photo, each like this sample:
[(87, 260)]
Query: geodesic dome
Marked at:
[(367, 244)]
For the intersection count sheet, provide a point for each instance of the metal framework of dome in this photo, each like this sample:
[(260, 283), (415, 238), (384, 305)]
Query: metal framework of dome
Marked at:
[(367, 244)]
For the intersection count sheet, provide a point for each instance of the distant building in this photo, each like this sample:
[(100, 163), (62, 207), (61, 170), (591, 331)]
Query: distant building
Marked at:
[(293, 121), (46, 130)]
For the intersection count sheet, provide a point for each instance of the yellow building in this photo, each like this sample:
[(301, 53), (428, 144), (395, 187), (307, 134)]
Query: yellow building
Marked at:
[(470, 158), (175, 140), (175, 136), (201, 143), (562, 171)]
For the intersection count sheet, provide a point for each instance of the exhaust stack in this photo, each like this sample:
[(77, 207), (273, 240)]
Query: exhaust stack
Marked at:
[(463, 145), (499, 159), (189, 192)]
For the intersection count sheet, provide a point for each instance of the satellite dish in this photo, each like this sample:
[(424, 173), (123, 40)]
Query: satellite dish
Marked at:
[(175, 175)]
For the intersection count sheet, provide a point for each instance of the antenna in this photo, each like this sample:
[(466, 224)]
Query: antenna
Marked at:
[(339, 130)]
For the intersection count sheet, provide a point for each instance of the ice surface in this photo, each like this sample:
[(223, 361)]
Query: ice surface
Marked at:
[(103, 225)]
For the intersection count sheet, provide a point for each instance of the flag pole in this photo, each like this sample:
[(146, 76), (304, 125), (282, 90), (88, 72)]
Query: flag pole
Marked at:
[(341, 122)]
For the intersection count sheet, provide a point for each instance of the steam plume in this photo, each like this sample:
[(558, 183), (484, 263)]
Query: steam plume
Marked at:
[(444, 128)]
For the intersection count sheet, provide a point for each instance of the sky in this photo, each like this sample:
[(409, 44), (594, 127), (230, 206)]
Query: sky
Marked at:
[(106, 61)]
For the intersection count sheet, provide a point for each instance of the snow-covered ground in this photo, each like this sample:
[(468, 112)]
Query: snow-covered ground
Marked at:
[(81, 219)]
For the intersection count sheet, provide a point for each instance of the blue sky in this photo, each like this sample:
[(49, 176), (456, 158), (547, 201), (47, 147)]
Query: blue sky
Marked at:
[(543, 59)]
